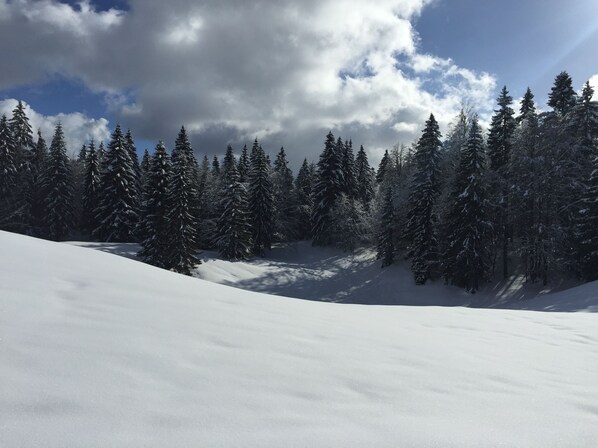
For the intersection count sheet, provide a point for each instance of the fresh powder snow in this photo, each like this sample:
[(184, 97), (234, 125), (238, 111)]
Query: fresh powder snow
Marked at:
[(98, 350)]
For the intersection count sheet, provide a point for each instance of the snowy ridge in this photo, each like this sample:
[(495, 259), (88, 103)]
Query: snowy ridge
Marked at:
[(98, 350)]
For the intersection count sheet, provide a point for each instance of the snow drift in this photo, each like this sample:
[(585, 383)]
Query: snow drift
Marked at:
[(98, 350)]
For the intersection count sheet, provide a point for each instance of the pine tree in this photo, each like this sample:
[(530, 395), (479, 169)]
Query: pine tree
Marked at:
[(283, 196), (500, 143), (91, 188), (146, 162), (328, 188), (215, 167), (101, 152), (386, 234), (562, 97), (37, 190), (304, 200), (22, 135), (155, 206), (116, 214), (466, 262), (59, 187), (209, 205), (588, 227), (234, 229), (8, 178), (229, 163), (82, 154), (364, 179), (382, 167), (261, 206), (527, 106), (243, 165), (183, 218), (424, 191), (348, 168)]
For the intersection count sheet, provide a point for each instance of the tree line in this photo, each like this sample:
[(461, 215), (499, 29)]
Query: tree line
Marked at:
[(522, 199)]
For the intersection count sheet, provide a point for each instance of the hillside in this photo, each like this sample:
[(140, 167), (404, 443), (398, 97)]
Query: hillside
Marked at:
[(98, 350)]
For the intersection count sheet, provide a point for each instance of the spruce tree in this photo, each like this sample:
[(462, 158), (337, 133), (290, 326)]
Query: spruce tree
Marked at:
[(304, 200), (228, 164), (261, 201), (328, 188), (348, 168), (215, 167), (562, 97), (243, 165), (386, 232), (382, 167), (527, 105), (364, 179), (116, 214), (8, 178), (91, 188), (183, 218), (22, 136), (59, 187), (154, 210), (466, 262), (283, 196), (234, 228), (587, 227), (424, 191), (500, 143), (37, 190)]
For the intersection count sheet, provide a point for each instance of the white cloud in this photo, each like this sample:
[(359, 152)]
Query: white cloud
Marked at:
[(594, 83), (231, 70), (78, 128)]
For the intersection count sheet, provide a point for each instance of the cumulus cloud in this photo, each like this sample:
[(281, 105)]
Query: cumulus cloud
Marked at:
[(231, 70), (78, 128)]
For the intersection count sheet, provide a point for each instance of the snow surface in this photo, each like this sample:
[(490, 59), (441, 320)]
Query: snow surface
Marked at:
[(102, 351)]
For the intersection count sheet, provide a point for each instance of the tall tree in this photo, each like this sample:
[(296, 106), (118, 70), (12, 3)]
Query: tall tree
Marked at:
[(261, 201), (527, 105), (328, 188), (183, 218), (386, 232), (234, 228), (283, 196), (424, 191), (155, 248), (562, 97), (228, 163), (59, 187), (37, 190), (500, 143), (304, 200), (348, 169), (116, 214), (22, 136), (243, 165), (466, 262), (364, 179), (91, 188), (382, 167), (8, 178)]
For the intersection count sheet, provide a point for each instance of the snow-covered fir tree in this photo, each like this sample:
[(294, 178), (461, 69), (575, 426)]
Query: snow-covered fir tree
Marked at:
[(327, 189), (424, 191), (285, 224), (116, 214), (261, 201), (243, 165), (348, 168), (466, 261), (37, 187), (500, 142), (562, 97), (8, 179), (155, 206), (386, 232), (234, 228), (382, 167), (183, 217), (59, 187), (91, 188), (304, 202), (215, 167), (364, 179), (228, 163)]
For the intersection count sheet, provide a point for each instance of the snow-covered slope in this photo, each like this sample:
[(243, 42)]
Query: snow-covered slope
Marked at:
[(101, 351)]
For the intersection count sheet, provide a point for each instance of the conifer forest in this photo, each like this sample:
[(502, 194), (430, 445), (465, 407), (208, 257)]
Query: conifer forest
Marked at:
[(470, 206)]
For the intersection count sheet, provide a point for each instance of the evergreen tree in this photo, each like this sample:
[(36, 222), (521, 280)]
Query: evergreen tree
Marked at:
[(261, 205), (228, 164), (8, 178), (424, 191), (466, 261), (234, 229), (243, 165), (183, 218), (209, 205), (562, 97), (116, 213), (101, 152), (500, 143), (588, 228), (348, 168), (304, 200), (37, 190), (364, 179), (22, 136), (82, 154), (154, 226), (527, 105), (283, 197), (215, 167), (146, 163), (59, 187), (328, 187), (386, 233), (382, 167), (91, 188)]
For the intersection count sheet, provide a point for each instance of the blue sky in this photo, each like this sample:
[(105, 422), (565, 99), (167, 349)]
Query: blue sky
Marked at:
[(232, 71)]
